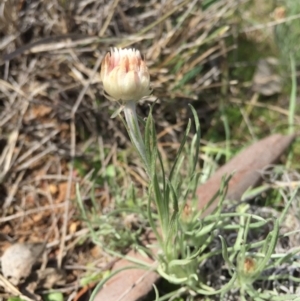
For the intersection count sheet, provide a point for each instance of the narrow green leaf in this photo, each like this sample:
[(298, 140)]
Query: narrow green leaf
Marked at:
[(180, 150), (117, 112), (293, 97), (225, 253), (195, 147)]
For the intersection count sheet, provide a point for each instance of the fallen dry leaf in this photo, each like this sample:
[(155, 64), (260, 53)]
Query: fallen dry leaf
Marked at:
[(41, 111), (130, 284), (50, 277), (246, 168), (73, 227), (18, 259), (265, 80), (62, 191), (53, 189)]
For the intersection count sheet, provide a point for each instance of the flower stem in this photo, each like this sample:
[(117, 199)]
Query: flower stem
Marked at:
[(135, 133)]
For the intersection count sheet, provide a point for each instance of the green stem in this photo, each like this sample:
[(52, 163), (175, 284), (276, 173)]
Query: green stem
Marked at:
[(135, 133), (162, 211)]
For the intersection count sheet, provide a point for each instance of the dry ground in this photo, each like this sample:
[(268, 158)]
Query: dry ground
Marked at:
[(54, 118)]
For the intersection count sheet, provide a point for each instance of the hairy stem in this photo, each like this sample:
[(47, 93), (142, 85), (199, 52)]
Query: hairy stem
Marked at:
[(135, 133)]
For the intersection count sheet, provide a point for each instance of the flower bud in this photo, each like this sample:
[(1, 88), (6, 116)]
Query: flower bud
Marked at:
[(125, 75)]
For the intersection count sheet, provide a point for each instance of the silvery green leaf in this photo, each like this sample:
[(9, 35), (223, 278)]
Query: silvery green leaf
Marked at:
[(117, 112)]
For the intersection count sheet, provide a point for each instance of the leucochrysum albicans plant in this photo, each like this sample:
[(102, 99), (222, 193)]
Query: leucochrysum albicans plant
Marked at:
[(126, 79), (185, 239)]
